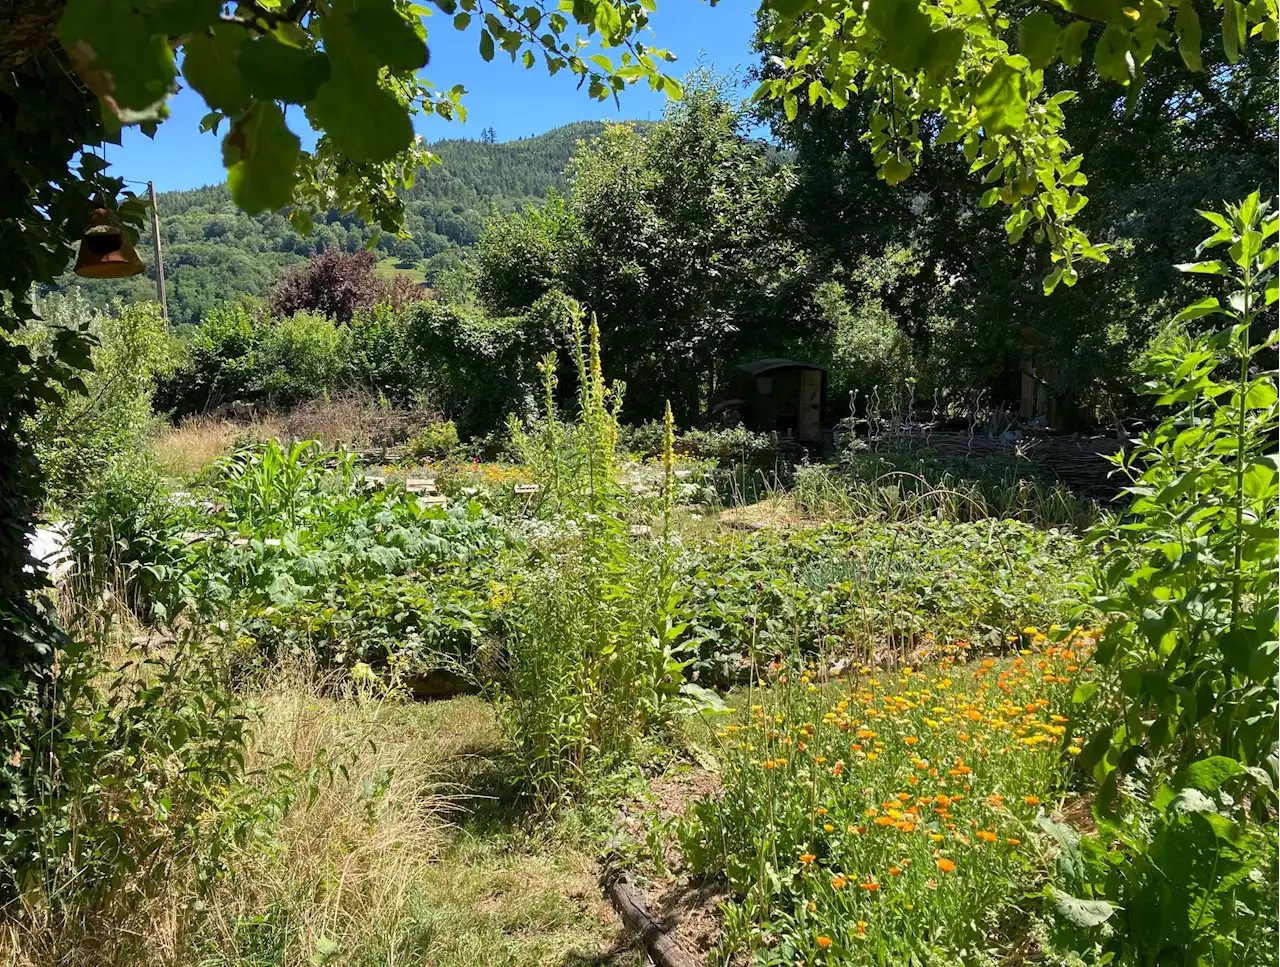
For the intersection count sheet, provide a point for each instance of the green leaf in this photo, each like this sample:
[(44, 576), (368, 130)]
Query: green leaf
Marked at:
[(1083, 913), (1212, 267), (486, 45), (1260, 395), (1233, 33), (1084, 692), (1205, 307), (1071, 43), (905, 32), (1209, 774), (274, 71), (117, 53), (1187, 26), (895, 170), (1038, 39), (365, 120), (1113, 57), (177, 18), (261, 157), (211, 65), (461, 21), (1272, 291), (1001, 98), (388, 38)]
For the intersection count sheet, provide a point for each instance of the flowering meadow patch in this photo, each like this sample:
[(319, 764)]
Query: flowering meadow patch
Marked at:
[(883, 817)]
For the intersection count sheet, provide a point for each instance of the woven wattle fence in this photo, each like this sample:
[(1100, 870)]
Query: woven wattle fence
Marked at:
[(1079, 462)]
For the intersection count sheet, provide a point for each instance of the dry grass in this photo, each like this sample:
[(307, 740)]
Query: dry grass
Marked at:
[(776, 511), (400, 859), (194, 444), (355, 422)]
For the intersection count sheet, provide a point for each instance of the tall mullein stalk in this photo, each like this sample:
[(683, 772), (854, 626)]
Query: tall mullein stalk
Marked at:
[(551, 423), (668, 470)]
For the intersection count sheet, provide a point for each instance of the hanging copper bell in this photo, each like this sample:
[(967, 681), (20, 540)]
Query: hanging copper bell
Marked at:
[(105, 250)]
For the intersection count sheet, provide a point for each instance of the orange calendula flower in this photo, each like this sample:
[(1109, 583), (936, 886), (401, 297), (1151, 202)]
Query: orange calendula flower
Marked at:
[(1031, 800), (862, 928), (871, 886), (986, 836), (1013, 842), (911, 740), (824, 941), (828, 828), (837, 768), (946, 865), (821, 810), (894, 871), (807, 857), (839, 882)]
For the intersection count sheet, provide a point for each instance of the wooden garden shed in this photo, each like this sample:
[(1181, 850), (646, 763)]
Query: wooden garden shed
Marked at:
[(781, 395)]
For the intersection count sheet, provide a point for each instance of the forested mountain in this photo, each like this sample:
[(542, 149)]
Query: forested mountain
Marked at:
[(214, 252)]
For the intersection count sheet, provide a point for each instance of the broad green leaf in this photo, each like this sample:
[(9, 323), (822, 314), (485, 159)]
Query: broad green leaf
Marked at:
[(274, 71), (1260, 478), (1084, 692), (388, 38), (211, 65), (261, 157), (1038, 39), (364, 119), (177, 18), (1072, 41), (461, 21), (1233, 24), (1083, 913), (1205, 307), (1260, 395), (1187, 26), (905, 31), (895, 170), (486, 45), (1001, 99), (116, 54), (1113, 57), (1212, 267), (1209, 774), (1191, 800), (1272, 292)]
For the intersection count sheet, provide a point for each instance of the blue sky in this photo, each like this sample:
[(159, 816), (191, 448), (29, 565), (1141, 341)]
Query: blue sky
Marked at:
[(514, 101)]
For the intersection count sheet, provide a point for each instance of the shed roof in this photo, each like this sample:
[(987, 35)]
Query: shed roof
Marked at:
[(760, 366)]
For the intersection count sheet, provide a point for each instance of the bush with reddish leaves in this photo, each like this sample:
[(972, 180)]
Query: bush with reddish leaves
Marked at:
[(333, 283)]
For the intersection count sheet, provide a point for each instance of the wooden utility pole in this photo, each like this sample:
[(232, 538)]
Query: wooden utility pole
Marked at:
[(155, 241)]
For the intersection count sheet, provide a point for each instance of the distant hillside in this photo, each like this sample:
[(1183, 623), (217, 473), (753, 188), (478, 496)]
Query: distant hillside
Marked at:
[(213, 252)]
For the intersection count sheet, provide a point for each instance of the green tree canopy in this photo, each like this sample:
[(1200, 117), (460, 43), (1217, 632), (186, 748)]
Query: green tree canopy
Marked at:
[(673, 237), (973, 73)]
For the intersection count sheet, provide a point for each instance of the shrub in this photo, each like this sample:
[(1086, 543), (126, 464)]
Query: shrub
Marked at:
[(333, 284), (435, 441), (137, 791), (78, 435)]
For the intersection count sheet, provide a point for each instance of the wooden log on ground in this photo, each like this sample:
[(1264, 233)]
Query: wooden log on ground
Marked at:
[(629, 902)]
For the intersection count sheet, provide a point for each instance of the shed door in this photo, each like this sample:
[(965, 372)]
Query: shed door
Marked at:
[(809, 414)]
